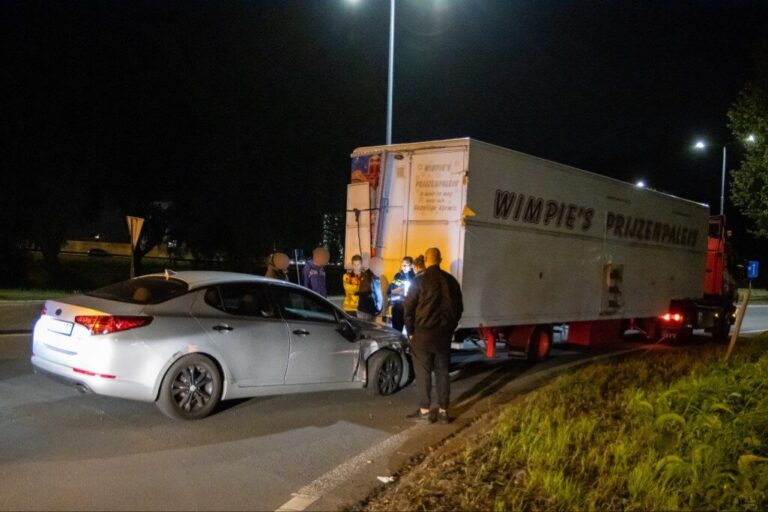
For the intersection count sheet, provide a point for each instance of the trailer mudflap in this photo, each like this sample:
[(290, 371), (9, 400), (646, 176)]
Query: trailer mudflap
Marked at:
[(595, 332)]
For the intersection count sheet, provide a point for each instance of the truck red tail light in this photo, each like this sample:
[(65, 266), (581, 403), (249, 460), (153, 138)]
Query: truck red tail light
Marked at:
[(672, 317), (107, 324)]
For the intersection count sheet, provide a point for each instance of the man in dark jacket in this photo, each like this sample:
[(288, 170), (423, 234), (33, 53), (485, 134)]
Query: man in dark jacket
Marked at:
[(433, 308)]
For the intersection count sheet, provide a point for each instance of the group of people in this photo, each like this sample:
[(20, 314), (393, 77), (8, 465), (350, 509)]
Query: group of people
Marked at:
[(422, 298), (367, 293)]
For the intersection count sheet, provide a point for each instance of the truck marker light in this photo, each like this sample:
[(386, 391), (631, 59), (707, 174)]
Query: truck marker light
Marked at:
[(672, 317)]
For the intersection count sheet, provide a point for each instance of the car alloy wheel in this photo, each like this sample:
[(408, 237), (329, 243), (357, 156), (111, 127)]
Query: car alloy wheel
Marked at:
[(385, 370), (191, 388)]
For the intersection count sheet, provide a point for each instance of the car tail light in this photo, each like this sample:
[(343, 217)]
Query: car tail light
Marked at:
[(107, 324), (43, 311), (672, 317)]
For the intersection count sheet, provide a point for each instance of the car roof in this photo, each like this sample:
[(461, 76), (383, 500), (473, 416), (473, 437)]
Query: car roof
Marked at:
[(200, 278)]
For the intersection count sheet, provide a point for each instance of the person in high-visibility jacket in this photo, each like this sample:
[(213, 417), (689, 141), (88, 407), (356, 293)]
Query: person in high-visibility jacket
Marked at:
[(351, 281)]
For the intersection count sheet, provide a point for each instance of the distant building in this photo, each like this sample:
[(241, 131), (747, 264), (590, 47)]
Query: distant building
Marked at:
[(333, 235)]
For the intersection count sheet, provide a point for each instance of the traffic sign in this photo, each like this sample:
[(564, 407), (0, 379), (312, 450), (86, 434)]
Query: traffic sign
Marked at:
[(753, 267)]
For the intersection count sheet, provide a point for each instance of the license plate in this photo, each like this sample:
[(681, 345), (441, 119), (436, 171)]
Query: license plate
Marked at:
[(60, 326)]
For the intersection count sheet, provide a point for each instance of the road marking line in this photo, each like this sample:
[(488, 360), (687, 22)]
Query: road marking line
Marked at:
[(297, 503), (313, 491), (752, 331)]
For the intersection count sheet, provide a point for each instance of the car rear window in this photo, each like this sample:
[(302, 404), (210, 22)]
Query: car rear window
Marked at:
[(143, 290)]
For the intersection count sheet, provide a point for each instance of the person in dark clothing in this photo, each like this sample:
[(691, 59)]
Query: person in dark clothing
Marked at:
[(277, 266), (433, 308), (369, 294), (314, 271), (418, 265), (397, 291)]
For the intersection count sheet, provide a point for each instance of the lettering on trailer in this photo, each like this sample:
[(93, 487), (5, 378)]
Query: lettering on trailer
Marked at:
[(437, 192), (535, 210), (530, 209), (650, 230)]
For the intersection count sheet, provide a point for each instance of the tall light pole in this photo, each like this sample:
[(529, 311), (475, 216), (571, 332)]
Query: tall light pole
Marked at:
[(700, 145), (391, 63), (391, 72)]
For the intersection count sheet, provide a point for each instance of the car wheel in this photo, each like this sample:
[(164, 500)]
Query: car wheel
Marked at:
[(385, 370), (191, 388)]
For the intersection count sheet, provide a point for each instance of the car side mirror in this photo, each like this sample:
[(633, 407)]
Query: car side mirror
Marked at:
[(347, 330)]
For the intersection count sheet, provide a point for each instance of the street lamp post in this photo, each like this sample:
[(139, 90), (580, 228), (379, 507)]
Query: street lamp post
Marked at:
[(391, 72), (722, 185), (700, 145), (750, 139)]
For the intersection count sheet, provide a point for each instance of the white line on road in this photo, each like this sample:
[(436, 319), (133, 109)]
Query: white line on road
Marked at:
[(313, 491)]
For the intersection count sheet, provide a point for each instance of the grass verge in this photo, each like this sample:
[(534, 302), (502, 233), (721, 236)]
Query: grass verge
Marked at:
[(757, 295), (665, 431), (12, 294)]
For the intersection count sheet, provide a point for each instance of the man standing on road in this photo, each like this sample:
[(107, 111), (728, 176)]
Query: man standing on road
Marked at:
[(314, 271), (433, 308)]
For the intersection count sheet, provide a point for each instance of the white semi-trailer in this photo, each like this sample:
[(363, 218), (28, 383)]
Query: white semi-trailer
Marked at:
[(532, 242)]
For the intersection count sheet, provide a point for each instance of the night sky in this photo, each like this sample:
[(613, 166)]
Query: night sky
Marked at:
[(246, 112)]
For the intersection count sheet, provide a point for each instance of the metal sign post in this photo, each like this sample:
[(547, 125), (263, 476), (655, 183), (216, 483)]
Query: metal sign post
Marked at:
[(134, 228), (753, 268)]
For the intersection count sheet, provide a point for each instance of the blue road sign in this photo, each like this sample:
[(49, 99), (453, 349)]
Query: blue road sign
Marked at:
[(752, 269)]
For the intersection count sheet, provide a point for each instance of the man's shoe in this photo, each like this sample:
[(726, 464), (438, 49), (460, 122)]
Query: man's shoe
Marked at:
[(421, 417), (443, 418)]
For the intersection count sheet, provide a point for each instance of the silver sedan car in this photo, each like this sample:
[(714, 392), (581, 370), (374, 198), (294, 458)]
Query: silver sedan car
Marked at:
[(186, 340)]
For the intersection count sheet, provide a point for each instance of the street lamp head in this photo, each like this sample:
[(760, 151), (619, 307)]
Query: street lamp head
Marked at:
[(751, 138), (700, 145), (640, 184)]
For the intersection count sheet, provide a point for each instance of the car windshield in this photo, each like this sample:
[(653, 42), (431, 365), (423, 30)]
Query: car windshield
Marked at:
[(142, 290)]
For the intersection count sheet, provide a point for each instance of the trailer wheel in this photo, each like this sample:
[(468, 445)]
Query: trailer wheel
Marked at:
[(684, 335), (720, 330), (541, 343)]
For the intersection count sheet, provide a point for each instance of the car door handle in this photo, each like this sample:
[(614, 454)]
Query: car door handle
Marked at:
[(222, 327), (301, 332)]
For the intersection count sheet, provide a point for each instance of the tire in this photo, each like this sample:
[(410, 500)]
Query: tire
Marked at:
[(541, 343), (385, 371), (684, 335), (180, 400), (721, 330)]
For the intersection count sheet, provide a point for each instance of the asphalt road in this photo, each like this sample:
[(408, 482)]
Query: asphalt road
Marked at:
[(756, 319), (63, 450)]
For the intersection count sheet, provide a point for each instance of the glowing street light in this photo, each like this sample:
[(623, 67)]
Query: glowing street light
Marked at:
[(700, 145), (640, 184)]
